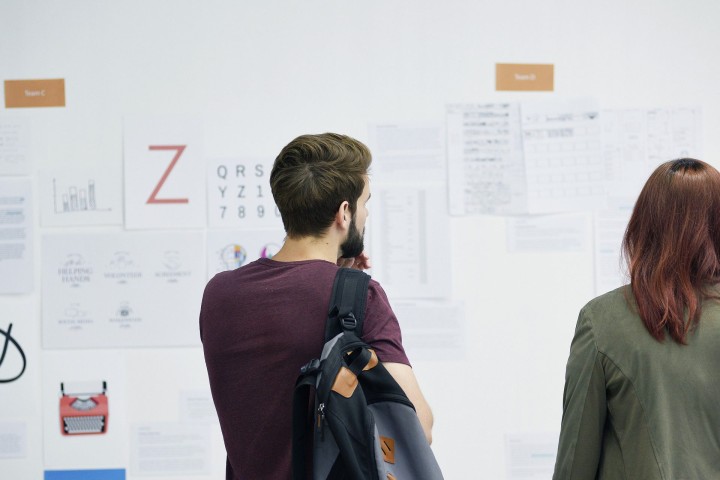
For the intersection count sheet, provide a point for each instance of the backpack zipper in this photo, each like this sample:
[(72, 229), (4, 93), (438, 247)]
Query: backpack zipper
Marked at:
[(321, 420)]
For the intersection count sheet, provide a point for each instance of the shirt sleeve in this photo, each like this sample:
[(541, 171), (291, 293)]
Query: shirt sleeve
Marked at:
[(381, 329), (584, 408)]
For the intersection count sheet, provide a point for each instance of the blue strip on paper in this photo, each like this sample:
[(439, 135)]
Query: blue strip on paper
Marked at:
[(116, 474)]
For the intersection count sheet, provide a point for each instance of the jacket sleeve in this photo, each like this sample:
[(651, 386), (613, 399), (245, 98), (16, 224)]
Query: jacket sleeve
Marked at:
[(584, 408)]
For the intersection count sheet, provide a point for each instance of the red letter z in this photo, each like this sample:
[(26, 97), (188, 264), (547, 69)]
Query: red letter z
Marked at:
[(153, 196)]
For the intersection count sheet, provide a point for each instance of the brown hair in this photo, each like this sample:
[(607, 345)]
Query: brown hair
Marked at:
[(313, 175), (672, 246)]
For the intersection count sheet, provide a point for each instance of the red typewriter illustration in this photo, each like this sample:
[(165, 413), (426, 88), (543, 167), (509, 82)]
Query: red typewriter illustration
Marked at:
[(83, 408)]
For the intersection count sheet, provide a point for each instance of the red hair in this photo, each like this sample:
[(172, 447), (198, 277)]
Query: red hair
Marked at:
[(672, 246)]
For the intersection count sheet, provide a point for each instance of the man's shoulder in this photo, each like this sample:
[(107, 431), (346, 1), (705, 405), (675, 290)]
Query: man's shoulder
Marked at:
[(267, 271), (375, 289), (228, 278)]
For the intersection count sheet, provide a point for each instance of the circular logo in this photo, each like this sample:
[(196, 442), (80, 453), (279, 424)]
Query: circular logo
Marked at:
[(233, 256)]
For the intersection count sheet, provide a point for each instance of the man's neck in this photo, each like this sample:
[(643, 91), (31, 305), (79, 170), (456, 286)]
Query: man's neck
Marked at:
[(308, 248)]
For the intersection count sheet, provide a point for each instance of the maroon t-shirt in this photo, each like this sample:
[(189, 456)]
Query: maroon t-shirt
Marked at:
[(259, 324)]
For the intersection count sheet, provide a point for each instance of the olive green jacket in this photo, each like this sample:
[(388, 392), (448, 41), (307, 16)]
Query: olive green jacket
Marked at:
[(635, 408)]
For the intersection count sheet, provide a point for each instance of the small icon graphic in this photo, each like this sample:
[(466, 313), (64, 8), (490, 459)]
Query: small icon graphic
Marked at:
[(121, 259), (83, 408), (74, 259), (124, 311), (269, 250), (74, 311), (172, 259), (9, 339), (76, 199), (233, 256)]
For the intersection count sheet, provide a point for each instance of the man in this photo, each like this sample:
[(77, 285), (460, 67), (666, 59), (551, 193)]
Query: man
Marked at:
[(260, 323)]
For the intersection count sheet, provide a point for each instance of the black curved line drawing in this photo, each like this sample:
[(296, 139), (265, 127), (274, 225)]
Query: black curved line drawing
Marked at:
[(9, 339)]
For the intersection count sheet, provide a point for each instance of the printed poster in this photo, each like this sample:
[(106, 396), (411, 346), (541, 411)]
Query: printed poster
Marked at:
[(74, 197), (239, 194), (122, 289), (164, 165)]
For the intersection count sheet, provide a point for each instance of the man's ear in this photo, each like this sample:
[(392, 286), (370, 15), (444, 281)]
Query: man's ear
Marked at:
[(343, 216)]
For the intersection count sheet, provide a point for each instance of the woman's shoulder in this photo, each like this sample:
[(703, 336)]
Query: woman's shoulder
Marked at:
[(613, 303), (611, 315)]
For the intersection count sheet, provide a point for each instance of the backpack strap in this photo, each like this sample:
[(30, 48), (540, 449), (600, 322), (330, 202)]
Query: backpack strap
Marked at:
[(302, 424), (345, 313), (348, 301)]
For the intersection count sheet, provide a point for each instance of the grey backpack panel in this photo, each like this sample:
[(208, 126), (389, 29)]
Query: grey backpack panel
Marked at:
[(412, 454)]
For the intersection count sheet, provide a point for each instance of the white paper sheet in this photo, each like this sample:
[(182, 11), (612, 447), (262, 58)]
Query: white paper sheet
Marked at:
[(197, 406), (530, 456), (99, 450), (231, 249), (562, 144), (239, 194), (636, 141), (122, 290), (411, 241), (408, 152), (170, 449), (15, 146), (540, 157), (565, 232), (81, 197), (16, 235), (673, 133), (164, 165), (13, 439), (432, 330), (610, 225), (486, 172)]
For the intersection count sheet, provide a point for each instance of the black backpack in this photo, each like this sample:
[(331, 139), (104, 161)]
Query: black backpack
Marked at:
[(361, 426)]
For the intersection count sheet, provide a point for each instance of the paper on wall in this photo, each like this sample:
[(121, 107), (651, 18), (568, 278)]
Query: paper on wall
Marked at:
[(408, 152), (89, 450), (432, 330), (486, 172), (239, 194), (563, 232), (16, 235), (170, 449), (13, 439), (164, 168), (122, 289), (15, 146), (534, 157), (73, 197), (530, 455), (562, 143), (636, 141), (411, 241), (610, 225)]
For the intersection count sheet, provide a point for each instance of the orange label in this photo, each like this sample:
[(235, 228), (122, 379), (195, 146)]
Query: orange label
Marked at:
[(387, 445), (35, 93), (524, 77)]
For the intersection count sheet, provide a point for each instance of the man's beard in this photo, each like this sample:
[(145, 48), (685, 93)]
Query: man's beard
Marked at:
[(354, 245)]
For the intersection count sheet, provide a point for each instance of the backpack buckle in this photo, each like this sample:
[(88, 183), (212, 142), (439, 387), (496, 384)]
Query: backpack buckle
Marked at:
[(311, 366), (348, 322)]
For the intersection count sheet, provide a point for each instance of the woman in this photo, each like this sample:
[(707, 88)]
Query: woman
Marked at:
[(642, 389)]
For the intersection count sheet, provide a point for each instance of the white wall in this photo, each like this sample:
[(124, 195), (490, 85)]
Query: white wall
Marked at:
[(260, 73)]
